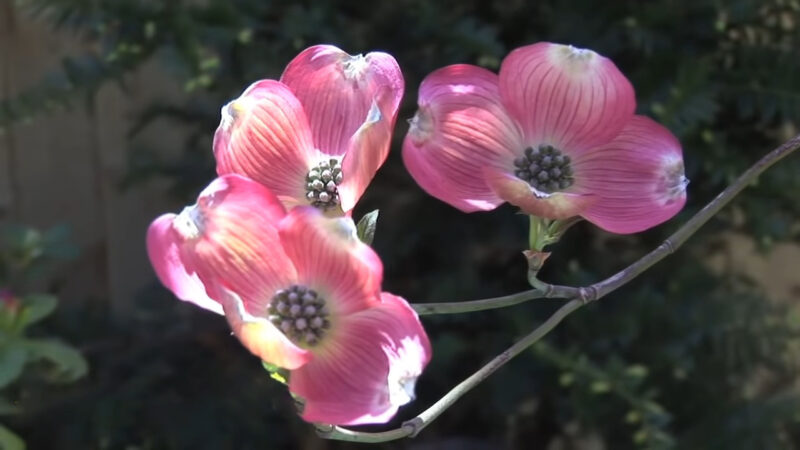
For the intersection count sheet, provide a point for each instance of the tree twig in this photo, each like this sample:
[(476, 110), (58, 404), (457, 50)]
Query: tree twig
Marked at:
[(411, 427), (597, 290), (579, 297)]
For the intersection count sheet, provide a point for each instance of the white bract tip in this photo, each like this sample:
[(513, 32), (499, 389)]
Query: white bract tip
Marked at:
[(189, 223), (354, 67)]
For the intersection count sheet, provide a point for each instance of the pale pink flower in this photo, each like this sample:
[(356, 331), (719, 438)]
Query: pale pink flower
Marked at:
[(319, 134), (301, 292), (554, 134)]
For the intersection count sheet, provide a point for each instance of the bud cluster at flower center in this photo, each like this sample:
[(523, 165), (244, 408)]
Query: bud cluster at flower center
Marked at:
[(544, 168), (322, 182), (300, 313)]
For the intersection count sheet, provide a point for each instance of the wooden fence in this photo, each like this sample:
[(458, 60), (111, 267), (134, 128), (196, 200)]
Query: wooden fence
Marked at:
[(66, 167)]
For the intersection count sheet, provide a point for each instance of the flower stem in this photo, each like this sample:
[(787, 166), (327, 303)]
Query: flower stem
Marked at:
[(602, 288), (477, 305), (578, 296)]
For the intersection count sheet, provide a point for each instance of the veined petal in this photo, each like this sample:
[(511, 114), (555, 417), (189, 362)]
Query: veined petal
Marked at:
[(261, 337), (368, 149), (638, 178), (367, 369), (331, 260), (163, 249), (460, 128), (573, 99), (558, 205), (230, 239), (264, 135), (337, 91)]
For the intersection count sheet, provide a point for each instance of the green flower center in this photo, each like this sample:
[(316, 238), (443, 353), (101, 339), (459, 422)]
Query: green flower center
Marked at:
[(300, 313), (544, 168), (322, 184)]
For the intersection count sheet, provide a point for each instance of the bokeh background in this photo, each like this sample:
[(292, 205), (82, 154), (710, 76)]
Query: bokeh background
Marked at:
[(107, 109)]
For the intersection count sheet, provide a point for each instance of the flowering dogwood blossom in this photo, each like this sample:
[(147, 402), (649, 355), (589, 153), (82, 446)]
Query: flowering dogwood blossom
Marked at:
[(554, 133), (319, 134), (301, 292)]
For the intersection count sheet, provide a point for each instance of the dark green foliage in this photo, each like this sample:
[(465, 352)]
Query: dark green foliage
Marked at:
[(681, 358)]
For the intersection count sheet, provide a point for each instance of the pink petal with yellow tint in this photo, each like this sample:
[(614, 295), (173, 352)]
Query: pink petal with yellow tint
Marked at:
[(558, 205), (331, 260), (231, 241), (337, 91), (368, 149), (261, 337), (637, 178), (460, 128), (163, 249), (367, 368), (573, 99), (264, 135)]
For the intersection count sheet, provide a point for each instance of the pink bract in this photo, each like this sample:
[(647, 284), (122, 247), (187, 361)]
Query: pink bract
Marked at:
[(300, 291), (328, 107), (554, 133)]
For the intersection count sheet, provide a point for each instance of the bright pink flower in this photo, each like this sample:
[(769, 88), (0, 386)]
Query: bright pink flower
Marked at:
[(301, 292), (319, 134), (554, 134)]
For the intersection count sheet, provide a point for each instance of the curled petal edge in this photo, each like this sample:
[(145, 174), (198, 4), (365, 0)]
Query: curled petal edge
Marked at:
[(369, 370), (367, 151), (163, 249), (558, 205), (261, 337)]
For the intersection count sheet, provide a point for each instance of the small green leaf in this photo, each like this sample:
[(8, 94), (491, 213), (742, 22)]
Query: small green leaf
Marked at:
[(35, 308), (637, 371), (9, 440), (366, 227), (69, 364), (12, 361), (600, 387), (633, 416), (641, 436), (269, 367), (276, 373), (278, 377), (245, 36)]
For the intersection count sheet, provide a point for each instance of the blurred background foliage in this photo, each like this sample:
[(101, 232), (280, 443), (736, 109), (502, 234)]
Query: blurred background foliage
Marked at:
[(684, 357), (28, 361)]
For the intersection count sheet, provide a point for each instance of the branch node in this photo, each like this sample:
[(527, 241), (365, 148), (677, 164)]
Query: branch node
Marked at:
[(323, 430), (414, 426), (587, 294), (669, 246)]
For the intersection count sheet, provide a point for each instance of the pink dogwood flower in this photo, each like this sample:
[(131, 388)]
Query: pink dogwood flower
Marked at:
[(300, 291), (319, 134), (554, 134)]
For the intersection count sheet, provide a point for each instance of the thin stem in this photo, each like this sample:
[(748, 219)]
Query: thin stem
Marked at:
[(542, 290), (476, 305), (602, 288), (578, 296), (411, 427)]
